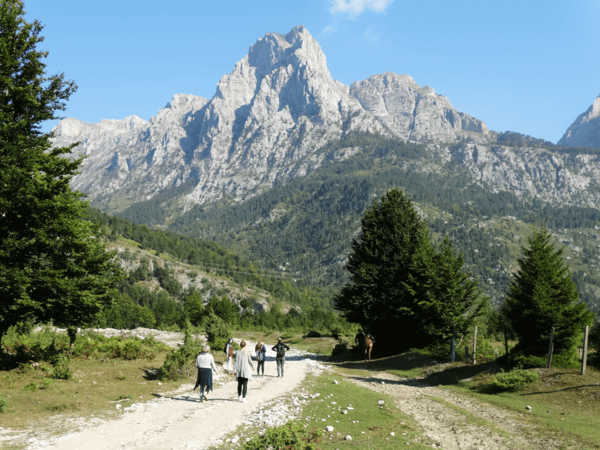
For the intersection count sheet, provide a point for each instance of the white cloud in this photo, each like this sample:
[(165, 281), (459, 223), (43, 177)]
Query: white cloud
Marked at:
[(371, 37), (357, 7), (328, 30)]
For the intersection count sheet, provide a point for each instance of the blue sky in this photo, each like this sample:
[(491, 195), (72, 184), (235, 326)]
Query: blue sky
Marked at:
[(528, 66)]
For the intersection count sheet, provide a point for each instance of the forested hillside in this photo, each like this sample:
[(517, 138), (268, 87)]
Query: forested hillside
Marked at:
[(306, 226), (170, 278)]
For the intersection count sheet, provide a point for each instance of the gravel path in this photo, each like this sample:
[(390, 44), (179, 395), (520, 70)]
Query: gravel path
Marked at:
[(487, 427), (180, 421)]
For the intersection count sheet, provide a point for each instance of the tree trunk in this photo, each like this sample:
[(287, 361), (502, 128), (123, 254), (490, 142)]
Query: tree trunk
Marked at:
[(453, 347), (72, 332)]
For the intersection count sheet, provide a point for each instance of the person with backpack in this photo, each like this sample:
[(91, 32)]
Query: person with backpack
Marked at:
[(261, 354), (243, 370), (206, 365), (279, 350), (229, 353), (369, 341)]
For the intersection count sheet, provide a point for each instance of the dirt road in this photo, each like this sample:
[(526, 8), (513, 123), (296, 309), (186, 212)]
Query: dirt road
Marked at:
[(457, 423), (179, 420)]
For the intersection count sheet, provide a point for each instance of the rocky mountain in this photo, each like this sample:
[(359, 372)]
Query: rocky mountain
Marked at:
[(585, 131), (263, 125)]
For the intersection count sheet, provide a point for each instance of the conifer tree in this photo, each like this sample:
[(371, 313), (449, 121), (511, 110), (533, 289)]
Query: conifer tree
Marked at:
[(543, 295), (53, 264), (380, 264), (448, 299)]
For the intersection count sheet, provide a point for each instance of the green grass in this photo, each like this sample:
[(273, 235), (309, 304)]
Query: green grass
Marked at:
[(572, 399), (376, 423)]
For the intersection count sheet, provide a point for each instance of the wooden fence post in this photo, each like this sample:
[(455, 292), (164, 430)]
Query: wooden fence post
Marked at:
[(585, 342), (551, 349), (475, 346), (453, 347)]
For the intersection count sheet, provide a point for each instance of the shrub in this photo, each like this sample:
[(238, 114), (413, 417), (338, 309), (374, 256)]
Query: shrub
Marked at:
[(176, 364), (3, 404), (61, 371), (515, 380), (341, 347), (46, 383), (313, 334), (286, 436), (30, 387), (216, 328)]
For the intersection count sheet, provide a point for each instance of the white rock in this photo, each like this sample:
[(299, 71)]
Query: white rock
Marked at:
[(329, 428), (348, 437)]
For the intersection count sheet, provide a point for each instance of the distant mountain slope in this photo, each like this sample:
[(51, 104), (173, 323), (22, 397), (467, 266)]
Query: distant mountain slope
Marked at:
[(263, 125), (585, 131)]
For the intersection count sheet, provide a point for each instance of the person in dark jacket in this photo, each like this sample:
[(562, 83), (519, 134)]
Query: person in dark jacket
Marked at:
[(228, 354), (279, 350)]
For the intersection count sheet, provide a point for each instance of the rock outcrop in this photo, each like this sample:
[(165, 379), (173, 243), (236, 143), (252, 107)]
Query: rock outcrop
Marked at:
[(585, 131)]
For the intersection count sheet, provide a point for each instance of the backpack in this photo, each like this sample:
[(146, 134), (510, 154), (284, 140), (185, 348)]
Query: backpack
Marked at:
[(280, 351), (225, 348)]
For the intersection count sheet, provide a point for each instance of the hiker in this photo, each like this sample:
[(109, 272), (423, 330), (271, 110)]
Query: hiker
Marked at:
[(280, 349), (359, 340), (261, 354), (205, 364), (229, 353), (369, 341), (243, 372)]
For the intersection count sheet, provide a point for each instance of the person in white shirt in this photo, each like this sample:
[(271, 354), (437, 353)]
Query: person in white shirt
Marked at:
[(205, 364)]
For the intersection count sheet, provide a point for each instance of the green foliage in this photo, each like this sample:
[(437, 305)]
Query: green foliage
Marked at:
[(46, 383), (594, 336), (194, 307), (287, 335), (515, 380), (62, 370), (176, 365), (127, 314), (53, 265), (288, 436), (448, 299), (3, 404), (543, 295), (380, 264), (31, 387), (216, 328)]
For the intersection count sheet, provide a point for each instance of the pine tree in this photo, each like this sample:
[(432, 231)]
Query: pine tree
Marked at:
[(380, 264), (448, 298), (543, 295), (53, 264)]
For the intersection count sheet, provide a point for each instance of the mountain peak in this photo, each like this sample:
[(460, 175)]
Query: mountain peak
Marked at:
[(585, 130)]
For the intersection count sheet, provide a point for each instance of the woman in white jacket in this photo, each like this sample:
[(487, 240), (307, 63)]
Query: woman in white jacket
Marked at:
[(243, 370), (206, 365)]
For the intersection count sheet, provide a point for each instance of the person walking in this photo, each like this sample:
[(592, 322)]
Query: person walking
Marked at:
[(369, 341), (261, 354), (229, 353), (359, 340), (205, 364), (279, 350), (243, 370)]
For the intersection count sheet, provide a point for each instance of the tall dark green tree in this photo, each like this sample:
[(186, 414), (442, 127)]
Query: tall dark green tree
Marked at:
[(380, 265), (448, 299), (543, 295), (53, 265)]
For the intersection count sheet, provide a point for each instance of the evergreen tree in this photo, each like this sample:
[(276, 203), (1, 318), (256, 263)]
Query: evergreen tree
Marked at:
[(543, 295), (380, 265), (448, 298), (53, 264), (194, 307)]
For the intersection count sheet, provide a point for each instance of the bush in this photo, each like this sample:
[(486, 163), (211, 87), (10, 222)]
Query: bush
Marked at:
[(30, 387), (342, 347), (46, 383), (286, 436), (515, 380), (313, 334), (288, 335), (216, 328), (176, 365), (3, 404), (296, 341), (61, 371)]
